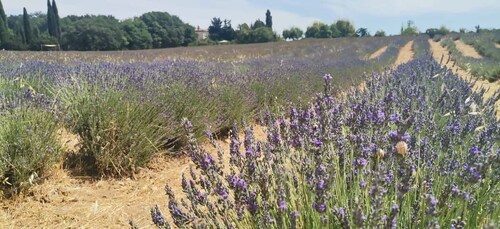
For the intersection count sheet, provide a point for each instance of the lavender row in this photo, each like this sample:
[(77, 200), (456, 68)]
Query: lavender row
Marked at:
[(416, 148)]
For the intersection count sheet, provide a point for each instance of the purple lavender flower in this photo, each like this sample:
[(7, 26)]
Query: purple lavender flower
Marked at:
[(238, 183), (474, 150), (320, 207), (380, 116), (321, 184), (157, 217), (394, 118), (393, 134), (282, 205), (317, 143), (405, 137), (362, 162)]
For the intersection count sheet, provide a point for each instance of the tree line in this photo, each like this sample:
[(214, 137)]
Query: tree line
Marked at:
[(257, 32), (157, 30), (92, 32)]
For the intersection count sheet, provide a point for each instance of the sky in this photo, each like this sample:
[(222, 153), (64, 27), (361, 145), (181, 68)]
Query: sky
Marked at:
[(387, 15)]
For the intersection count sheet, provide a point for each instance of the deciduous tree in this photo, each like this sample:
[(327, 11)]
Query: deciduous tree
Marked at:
[(345, 28), (168, 30)]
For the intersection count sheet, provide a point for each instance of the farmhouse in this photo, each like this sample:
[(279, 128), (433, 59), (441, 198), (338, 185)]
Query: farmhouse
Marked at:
[(202, 33)]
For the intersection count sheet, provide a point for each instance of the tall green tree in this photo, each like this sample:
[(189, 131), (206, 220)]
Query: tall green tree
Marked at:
[(57, 27), (2, 14), (27, 27), (362, 32), (4, 29), (4, 33), (335, 31), (51, 20), (228, 32), (94, 33), (258, 24), (345, 28), (20, 35), (215, 29), (269, 20), (410, 29), (380, 33), (168, 30), (293, 33), (319, 30), (137, 34)]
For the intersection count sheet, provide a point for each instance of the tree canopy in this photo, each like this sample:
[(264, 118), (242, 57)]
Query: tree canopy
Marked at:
[(410, 29), (93, 33), (340, 28), (293, 33), (168, 30), (218, 32)]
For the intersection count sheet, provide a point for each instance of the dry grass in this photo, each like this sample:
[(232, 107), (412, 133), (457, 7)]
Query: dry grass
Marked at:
[(467, 50)]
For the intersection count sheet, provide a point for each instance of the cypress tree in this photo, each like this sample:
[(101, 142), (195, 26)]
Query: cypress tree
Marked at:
[(4, 30), (20, 33), (269, 19), (4, 33), (27, 26), (57, 28), (2, 14), (50, 19)]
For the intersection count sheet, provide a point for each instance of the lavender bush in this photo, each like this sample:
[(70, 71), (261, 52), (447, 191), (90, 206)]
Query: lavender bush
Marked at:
[(28, 148), (416, 148), (119, 131), (28, 143)]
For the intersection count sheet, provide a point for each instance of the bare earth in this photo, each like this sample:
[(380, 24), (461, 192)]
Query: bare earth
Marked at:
[(497, 45), (63, 201), (438, 51), (377, 53), (405, 54), (467, 50)]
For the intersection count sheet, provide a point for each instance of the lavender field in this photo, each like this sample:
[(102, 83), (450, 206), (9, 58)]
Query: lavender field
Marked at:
[(414, 147), (126, 111)]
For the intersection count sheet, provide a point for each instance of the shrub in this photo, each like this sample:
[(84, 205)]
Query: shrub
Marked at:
[(28, 147), (119, 131), (187, 102)]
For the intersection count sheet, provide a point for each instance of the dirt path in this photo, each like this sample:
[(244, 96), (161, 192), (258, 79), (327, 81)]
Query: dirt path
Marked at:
[(377, 53), (438, 51), (405, 54), (63, 201), (467, 50)]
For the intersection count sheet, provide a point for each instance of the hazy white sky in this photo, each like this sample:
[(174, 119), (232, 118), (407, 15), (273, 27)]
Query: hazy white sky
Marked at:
[(387, 15)]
